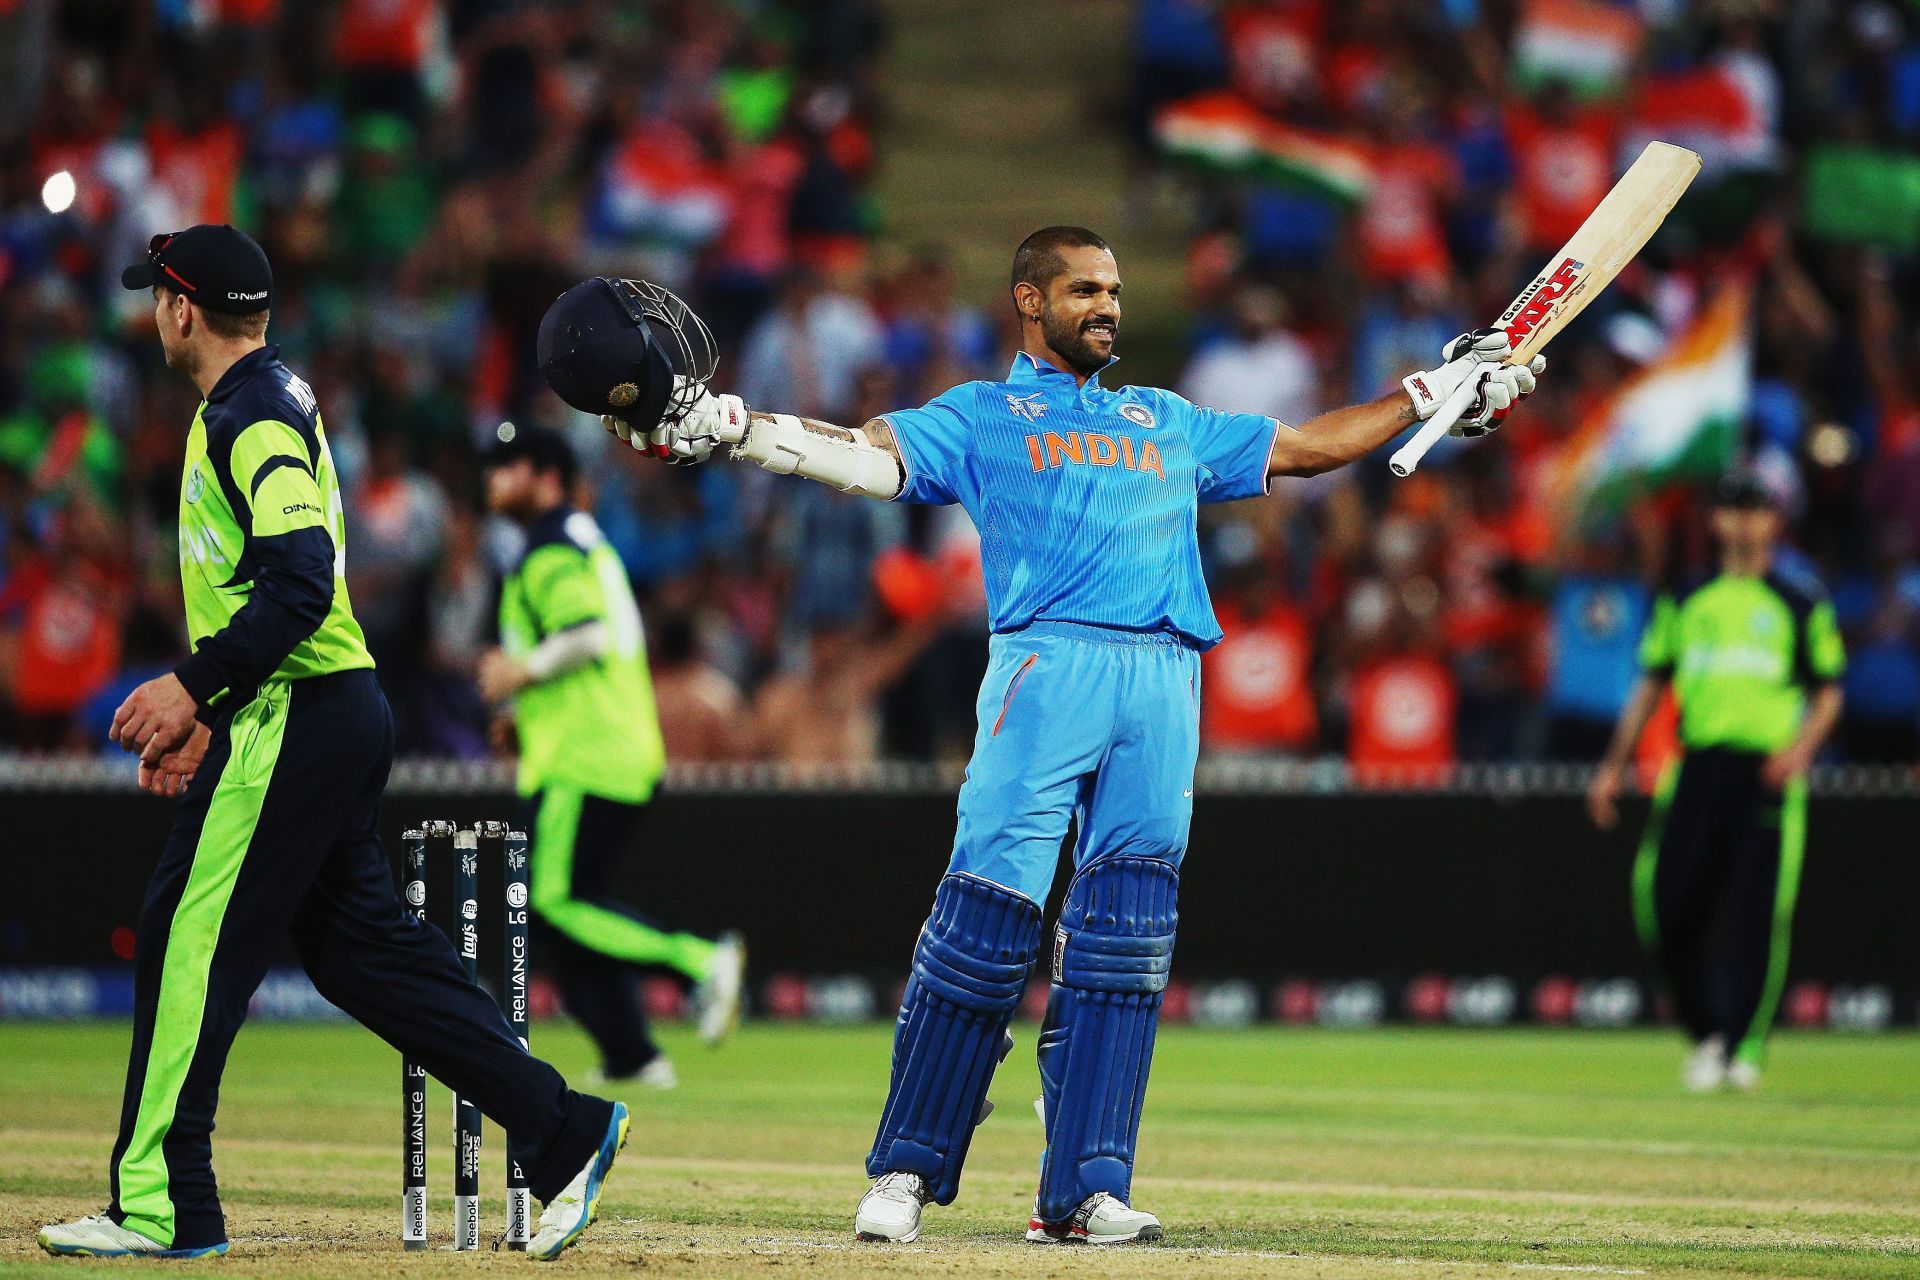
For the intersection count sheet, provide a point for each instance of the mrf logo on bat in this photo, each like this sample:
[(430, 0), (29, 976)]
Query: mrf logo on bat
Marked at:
[(1532, 306)]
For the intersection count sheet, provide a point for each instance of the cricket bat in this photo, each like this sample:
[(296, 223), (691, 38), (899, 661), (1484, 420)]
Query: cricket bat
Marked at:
[(1605, 243)]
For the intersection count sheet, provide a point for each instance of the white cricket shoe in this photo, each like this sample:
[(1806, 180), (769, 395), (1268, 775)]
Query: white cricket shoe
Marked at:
[(890, 1210), (98, 1236), (720, 993), (571, 1212), (1100, 1219), (659, 1073), (1706, 1067), (1743, 1075)]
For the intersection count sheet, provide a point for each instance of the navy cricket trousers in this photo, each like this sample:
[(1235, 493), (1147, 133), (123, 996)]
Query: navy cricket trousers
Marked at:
[(277, 836)]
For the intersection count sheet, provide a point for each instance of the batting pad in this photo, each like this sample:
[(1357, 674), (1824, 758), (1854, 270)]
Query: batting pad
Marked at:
[(1111, 956), (968, 972)]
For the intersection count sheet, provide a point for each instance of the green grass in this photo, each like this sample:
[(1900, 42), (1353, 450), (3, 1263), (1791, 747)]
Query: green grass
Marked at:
[(1268, 1152)]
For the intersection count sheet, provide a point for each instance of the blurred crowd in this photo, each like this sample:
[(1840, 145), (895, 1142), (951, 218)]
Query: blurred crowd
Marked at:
[(1411, 165), (428, 176)]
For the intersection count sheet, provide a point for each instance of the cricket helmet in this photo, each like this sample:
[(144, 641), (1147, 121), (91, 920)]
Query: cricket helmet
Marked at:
[(627, 348)]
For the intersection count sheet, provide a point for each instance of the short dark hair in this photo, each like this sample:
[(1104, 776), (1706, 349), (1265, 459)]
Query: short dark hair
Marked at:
[(225, 324), (229, 325), (1037, 261)]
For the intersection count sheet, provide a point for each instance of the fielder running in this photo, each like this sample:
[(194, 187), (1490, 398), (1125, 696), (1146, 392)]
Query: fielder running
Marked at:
[(277, 740), (1086, 502), (574, 668)]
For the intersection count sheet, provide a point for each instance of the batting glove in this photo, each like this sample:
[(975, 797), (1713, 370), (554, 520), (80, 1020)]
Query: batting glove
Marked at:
[(1502, 386), (713, 420), (1465, 356)]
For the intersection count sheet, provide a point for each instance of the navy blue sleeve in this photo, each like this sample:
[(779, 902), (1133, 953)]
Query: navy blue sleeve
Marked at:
[(292, 594)]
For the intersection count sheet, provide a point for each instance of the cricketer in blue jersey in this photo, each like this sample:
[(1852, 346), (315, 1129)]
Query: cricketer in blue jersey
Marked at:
[(1086, 498)]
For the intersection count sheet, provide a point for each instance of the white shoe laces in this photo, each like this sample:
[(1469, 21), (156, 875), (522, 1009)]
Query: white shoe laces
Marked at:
[(1091, 1205), (906, 1188)]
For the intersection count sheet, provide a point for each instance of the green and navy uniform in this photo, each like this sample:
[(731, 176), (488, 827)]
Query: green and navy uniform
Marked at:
[(590, 757), (1719, 867), (276, 836)]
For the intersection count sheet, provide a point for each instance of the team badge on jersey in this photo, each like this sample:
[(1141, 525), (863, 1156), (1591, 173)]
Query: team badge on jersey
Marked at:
[(195, 484), (1032, 408), (1137, 413)]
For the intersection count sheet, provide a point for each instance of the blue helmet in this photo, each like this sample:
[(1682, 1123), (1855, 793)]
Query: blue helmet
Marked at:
[(626, 348)]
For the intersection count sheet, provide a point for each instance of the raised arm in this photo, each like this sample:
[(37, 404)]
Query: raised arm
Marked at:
[(859, 460), (1333, 440)]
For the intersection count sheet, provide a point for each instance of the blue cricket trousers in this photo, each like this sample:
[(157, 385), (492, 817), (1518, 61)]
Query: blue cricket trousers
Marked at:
[(1079, 723)]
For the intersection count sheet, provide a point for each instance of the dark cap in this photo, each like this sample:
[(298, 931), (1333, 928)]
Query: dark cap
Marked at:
[(1744, 487), (547, 449), (219, 267)]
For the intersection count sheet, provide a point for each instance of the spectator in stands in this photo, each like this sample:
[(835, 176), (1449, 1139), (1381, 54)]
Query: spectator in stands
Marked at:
[(1257, 686), (809, 350), (703, 717), (1599, 612), (428, 177), (1257, 367)]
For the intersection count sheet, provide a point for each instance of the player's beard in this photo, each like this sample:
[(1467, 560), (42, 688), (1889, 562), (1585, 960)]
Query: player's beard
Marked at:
[(1068, 340)]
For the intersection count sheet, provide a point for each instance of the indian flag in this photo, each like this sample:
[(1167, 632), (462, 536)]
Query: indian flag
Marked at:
[(1590, 45), (1679, 417), (1223, 132)]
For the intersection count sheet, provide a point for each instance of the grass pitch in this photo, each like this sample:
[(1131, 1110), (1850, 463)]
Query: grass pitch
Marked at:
[(1290, 1153)]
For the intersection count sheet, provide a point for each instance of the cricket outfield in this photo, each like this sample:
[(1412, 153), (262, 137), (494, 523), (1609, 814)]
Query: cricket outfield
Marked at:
[(1288, 1153)]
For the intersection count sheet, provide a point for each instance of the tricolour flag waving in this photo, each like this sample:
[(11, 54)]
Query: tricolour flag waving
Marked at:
[(1226, 133), (1585, 44), (1678, 418)]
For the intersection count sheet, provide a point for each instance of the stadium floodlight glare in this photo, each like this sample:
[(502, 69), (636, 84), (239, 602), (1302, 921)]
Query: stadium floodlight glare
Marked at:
[(57, 192)]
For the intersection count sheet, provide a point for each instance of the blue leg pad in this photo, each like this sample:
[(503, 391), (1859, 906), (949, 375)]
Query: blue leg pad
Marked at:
[(968, 972), (1111, 957)]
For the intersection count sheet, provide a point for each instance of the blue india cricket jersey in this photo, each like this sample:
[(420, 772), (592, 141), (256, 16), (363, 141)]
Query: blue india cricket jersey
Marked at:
[(1087, 500)]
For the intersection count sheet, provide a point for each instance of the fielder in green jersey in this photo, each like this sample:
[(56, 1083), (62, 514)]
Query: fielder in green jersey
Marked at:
[(276, 740), (573, 663), (1754, 660)]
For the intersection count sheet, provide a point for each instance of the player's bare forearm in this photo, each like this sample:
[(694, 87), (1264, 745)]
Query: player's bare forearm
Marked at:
[(1333, 440), (1823, 713), (1633, 720)]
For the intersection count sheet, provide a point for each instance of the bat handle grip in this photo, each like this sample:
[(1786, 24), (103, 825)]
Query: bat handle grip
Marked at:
[(1408, 455)]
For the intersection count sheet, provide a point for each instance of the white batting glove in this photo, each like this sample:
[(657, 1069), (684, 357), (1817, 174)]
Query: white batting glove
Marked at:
[(1501, 387), (1465, 355), (713, 420)]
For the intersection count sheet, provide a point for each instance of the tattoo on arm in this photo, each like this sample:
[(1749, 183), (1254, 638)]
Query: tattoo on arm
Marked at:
[(876, 430), (814, 425)]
